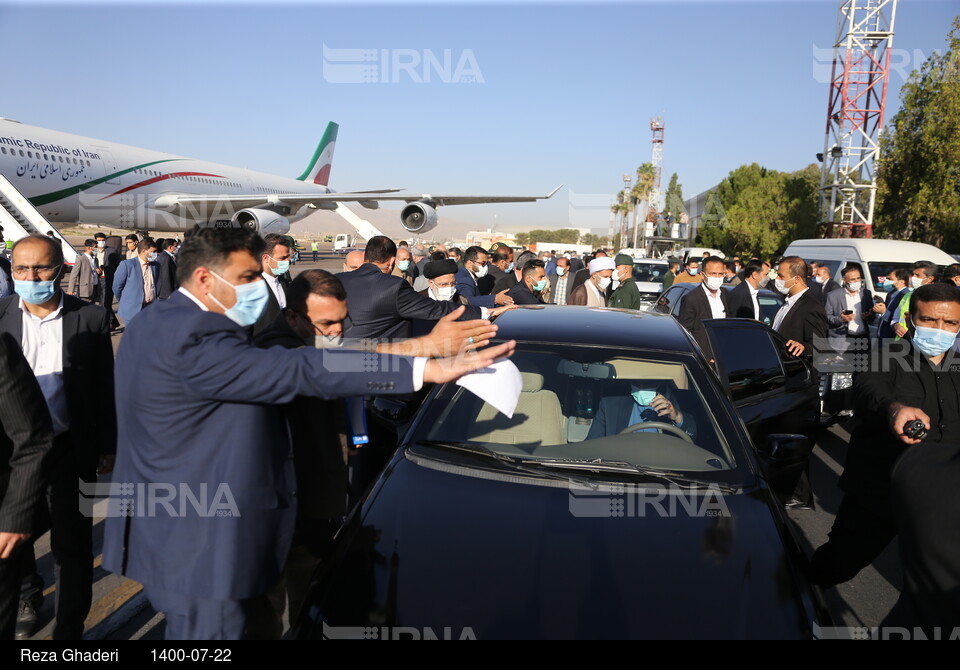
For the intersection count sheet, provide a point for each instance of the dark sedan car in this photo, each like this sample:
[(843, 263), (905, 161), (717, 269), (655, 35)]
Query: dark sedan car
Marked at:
[(835, 388), (670, 300), (584, 515)]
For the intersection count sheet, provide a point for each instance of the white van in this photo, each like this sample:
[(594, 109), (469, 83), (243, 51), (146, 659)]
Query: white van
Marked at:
[(876, 258), (697, 252)]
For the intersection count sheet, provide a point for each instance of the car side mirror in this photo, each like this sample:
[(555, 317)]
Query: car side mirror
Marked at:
[(787, 448), (391, 413)]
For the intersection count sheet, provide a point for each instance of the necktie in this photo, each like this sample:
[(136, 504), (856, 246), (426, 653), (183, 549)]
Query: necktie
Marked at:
[(149, 292)]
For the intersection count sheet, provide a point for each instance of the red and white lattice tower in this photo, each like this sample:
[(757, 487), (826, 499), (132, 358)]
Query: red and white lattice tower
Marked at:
[(858, 94)]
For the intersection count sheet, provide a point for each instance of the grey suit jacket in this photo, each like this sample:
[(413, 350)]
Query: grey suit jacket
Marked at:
[(81, 278)]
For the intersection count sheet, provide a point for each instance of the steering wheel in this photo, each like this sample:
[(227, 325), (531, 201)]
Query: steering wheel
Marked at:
[(667, 427)]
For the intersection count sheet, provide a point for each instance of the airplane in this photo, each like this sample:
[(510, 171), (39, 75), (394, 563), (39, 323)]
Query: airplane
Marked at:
[(74, 179)]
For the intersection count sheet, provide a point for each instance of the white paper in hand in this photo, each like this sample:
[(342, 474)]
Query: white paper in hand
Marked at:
[(499, 384)]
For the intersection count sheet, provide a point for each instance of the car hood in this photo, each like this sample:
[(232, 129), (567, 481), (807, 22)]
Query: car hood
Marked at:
[(650, 286), (453, 551)]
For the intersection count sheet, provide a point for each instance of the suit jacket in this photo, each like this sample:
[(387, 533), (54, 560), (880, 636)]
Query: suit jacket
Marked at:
[(524, 296), (272, 309), (128, 287), (6, 279), (467, 287), (614, 412), (824, 289), (805, 321), (874, 450), (26, 438), (576, 264), (81, 278), (87, 373), (382, 307), (199, 407), (741, 302), (506, 282), (836, 304), (167, 273), (694, 310), (885, 328)]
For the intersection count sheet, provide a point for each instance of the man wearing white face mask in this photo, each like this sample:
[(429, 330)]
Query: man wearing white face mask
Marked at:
[(442, 282), (709, 301), (475, 262), (135, 283), (802, 317), (849, 310), (594, 292)]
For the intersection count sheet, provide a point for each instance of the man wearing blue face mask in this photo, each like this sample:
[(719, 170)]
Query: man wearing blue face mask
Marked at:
[(135, 282), (650, 401), (66, 342), (225, 439), (531, 286), (918, 381), (275, 259)]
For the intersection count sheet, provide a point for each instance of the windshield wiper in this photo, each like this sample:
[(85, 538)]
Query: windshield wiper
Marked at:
[(509, 462), (601, 465)]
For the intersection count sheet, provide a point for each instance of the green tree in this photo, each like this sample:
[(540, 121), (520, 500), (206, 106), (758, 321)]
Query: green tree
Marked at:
[(673, 200), (755, 211), (918, 175)]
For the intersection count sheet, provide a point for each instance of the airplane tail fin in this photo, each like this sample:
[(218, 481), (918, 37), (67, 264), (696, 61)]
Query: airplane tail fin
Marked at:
[(318, 171)]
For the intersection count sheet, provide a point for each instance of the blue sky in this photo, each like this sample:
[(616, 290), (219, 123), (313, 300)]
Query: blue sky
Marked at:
[(566, 95)]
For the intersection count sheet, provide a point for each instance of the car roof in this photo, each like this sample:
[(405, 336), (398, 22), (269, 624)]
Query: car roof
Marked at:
[(872, 249), (603, 326)]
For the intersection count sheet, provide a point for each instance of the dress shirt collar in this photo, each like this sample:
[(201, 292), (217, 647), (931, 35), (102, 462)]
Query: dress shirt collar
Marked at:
[(194, 298), (55, 314)]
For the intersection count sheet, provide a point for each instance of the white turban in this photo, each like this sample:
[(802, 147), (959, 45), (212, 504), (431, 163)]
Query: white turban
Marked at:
[(602, 263)]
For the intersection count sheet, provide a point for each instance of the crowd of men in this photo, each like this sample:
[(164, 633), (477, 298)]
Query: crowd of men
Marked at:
[(244, 370)]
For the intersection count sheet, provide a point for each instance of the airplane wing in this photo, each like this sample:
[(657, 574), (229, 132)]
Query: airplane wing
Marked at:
[(174, 201)]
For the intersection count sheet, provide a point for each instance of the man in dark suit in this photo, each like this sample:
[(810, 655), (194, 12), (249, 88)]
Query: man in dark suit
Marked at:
[(135, 283), (919, 382), (167, 264), (510, 279), (853, 297), (802, 317), (218, 398), (475, 266), (529, 289), (26, 438), (501, 263), (709, 301), (383, 306), (649, 401), (276, 256), (6, 281), (822, 283), (744, 300), (897, 283), (108, 260), (76, 377), (576, 264)]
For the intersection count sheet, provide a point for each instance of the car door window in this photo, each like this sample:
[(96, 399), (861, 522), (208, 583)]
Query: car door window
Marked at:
[(749, 359), (666, 300)]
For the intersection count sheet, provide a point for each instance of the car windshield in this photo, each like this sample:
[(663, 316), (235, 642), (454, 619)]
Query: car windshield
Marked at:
[(638, 409), (652, 272), (880, 270)]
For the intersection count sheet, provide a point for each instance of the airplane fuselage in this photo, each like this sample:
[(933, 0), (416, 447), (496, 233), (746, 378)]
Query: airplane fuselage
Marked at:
[(75, 179)]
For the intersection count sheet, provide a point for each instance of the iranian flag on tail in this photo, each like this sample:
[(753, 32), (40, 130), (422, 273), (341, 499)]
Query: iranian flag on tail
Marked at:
[(318, 171)]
